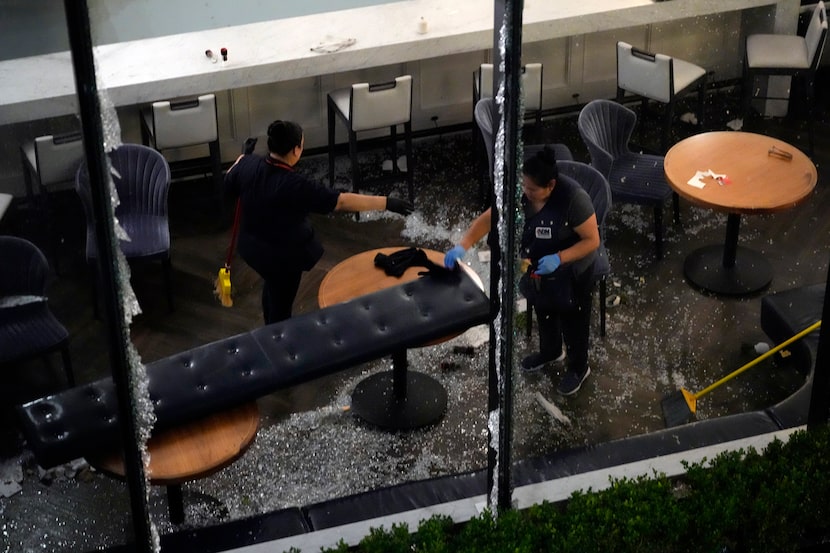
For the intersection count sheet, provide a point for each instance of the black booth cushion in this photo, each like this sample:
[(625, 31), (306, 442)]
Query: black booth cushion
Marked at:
[(785, 314), (230, 372), (396, 499)]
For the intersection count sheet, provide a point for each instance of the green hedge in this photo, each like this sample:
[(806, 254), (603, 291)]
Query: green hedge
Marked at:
[(743, 501)]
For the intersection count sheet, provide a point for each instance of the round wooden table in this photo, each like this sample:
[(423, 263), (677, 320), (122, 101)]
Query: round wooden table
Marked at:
[(763, 175), (399, 399), (192, 451)]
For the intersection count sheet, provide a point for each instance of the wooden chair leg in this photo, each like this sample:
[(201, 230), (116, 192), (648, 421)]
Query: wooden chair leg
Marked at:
[(658, 230), (355, 167), (603, 295), (675, 200), (701, 103), (665, 134), (67, 366), (331, 123), (168, 281), (410, 163), (216, 169)]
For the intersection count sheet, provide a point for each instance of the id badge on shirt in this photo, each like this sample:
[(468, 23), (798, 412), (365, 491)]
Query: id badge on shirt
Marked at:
[(544, 233)]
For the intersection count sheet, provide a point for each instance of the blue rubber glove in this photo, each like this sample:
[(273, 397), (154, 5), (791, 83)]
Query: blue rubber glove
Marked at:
[(548, 264), (451, 257)]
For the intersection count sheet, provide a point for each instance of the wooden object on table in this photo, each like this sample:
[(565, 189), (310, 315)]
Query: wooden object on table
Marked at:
[(762, 175), (192, 451)]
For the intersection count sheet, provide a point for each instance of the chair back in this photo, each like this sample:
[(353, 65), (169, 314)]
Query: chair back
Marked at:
[(605, 128), (484, 120), (597, 187), (25, 269), (593, 182), (373, 106), (645, 74), (531, 84), (56, 157), (816, 35), (185, 123), (141, 177)]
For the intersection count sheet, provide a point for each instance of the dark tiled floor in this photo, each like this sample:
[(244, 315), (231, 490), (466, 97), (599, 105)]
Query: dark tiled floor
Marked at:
[(663, 335)]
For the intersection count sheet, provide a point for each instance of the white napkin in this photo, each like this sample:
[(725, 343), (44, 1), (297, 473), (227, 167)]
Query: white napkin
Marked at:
[(697, 180)]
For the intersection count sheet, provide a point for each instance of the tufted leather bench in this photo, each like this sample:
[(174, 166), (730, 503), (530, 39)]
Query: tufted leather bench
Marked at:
[(229, 372), (783, 314)]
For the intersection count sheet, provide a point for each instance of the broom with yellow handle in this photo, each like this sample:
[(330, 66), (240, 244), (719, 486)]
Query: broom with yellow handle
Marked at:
[(222, 285), (679, 406)]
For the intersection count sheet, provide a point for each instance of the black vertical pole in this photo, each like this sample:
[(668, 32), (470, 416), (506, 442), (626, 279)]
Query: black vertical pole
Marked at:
[(819, 412), (507, 14), (80, 42)]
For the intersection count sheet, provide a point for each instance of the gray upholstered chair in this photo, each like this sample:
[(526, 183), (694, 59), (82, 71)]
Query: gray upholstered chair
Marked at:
[(660, 78), (186, 123), (365, 107), (28, 329), (790, 55), (142, 184), (606, 128), (484, 122)]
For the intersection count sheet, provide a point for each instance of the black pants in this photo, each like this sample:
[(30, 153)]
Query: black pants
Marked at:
[(278, 293), (281, 276), (573, 326)]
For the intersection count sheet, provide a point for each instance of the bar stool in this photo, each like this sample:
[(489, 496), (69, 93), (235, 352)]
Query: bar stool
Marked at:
[(531, 88), (49, 166), (483, 89), (364, 107), (660, 78), (181, 123), (789, 55)]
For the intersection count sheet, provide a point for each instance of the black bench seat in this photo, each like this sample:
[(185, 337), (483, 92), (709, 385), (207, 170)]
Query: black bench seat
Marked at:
[(216, 376)]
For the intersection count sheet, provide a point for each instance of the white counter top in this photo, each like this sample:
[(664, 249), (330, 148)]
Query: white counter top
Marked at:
[(165, 67)]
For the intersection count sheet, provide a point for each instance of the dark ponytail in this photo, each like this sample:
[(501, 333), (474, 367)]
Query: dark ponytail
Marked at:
[(284, 136), (541, 168)]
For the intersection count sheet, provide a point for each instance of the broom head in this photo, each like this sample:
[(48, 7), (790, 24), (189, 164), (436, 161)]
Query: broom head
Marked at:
[(679, 407), (223, 287)]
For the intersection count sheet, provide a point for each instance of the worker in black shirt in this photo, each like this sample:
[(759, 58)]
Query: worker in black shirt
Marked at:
[(276, 238)]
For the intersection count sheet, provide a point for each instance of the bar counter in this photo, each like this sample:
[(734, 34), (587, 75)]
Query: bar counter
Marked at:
[(141, 71)]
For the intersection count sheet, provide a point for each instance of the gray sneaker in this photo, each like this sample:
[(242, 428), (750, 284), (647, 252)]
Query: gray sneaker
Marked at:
[(572, 382), (535, 361)]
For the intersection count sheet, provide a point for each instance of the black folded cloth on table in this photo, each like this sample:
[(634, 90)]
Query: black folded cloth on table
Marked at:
[(395, 264)]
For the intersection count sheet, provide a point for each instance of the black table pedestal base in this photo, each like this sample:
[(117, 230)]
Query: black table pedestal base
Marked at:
[(705, 268), (375, 401)]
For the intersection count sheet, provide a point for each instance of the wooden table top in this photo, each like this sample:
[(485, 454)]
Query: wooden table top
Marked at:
[(758, 182), (357, 276), (194, 450)]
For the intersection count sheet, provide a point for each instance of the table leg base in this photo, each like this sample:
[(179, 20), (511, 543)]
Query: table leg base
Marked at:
[(374, 400), (751, 272)]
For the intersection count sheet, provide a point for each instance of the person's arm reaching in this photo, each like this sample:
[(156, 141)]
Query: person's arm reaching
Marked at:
[(348, 201), (478, 229)]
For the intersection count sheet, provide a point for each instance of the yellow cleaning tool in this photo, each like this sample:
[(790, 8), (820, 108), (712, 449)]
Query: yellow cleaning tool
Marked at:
[(223, 287)]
